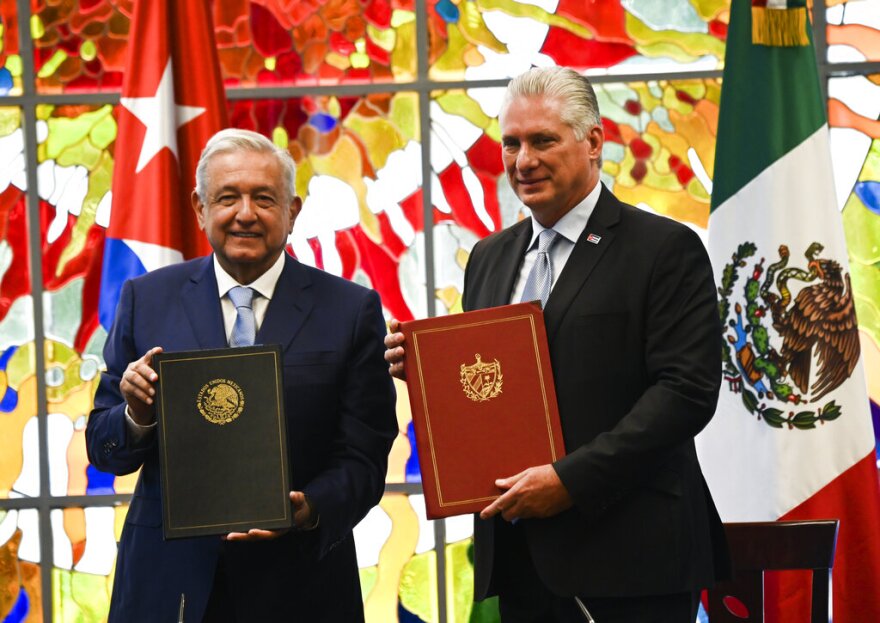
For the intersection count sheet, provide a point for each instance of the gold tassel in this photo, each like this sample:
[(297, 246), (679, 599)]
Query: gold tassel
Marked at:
[(779, 27)]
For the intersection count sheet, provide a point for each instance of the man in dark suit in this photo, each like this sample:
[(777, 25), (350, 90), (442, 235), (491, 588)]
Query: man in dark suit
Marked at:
[(339, 406), (622, 528)]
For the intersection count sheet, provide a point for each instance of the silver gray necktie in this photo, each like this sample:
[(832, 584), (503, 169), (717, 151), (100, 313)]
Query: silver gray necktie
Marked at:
[(541, 276), (244, 331)]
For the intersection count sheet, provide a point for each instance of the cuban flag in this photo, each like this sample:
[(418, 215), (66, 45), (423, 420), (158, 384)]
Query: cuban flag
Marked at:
[(172, 102)]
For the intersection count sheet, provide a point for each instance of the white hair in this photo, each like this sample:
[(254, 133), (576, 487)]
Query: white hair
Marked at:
[(236, 139), (580, 110)]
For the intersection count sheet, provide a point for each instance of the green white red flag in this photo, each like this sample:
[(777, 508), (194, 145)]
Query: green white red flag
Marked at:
[(792, 437)]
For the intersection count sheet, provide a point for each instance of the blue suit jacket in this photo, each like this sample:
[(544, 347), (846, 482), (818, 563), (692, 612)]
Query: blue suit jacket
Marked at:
[(341, 424)]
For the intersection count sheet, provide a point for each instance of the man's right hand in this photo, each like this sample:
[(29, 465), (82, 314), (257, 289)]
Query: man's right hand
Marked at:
[(394, 352), (137, 387)]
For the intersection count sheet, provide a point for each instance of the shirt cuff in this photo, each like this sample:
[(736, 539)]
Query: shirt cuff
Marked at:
[(137, 431)]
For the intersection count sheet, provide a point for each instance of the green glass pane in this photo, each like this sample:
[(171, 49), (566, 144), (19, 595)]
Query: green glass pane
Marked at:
[(460, 604)]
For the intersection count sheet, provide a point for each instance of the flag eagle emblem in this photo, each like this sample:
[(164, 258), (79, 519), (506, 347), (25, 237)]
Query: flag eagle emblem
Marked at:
[(818, 323)]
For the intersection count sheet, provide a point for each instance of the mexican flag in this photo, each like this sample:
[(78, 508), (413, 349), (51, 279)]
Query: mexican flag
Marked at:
[(792, 437)]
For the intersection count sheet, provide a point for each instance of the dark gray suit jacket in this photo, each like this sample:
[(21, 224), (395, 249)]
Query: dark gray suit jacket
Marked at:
[(634, 336)]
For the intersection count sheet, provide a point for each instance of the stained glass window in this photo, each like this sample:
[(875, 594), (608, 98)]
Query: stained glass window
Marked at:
[(84, 556), (658, 154), (78, 48), (358, 174), (398, 561), (21, 578), (495, 39), (853, 30), (269, 43), (18, 381), (853, 112), (10, 56)]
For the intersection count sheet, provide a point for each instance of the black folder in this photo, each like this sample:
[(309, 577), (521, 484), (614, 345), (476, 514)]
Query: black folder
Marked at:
[(222, 441)]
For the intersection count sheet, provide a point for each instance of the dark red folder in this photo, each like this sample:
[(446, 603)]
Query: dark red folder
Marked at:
[(483, 402)]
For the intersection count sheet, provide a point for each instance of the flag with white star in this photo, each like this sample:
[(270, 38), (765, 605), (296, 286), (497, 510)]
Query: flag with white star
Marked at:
[(172, 102)]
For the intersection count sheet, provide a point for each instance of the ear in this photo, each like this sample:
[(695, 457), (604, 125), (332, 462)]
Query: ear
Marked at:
[(294, 208), (595, 141), (197, 208)]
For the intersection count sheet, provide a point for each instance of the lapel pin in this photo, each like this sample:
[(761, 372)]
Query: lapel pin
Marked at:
[(593, 238)]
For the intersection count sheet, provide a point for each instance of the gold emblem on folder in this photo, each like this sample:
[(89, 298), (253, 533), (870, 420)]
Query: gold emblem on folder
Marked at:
[(220, 401), (481, 381)]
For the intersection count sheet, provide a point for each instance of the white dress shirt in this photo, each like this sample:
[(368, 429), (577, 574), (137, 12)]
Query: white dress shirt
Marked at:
[(569, 228), (264, 287)]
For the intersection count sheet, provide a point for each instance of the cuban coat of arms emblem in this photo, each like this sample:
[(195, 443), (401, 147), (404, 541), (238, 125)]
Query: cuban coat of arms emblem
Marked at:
[(481, 380)]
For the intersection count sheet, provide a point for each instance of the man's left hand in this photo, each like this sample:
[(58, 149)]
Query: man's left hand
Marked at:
[(534, 493), (303, 519)]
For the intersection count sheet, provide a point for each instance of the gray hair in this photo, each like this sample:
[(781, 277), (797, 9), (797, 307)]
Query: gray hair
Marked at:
[(580, 110), (236, 139)]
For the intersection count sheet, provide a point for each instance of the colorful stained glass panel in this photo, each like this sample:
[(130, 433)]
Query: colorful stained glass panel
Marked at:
[(79, 48), (84, 559), (308, 43), (397, 561), (493, 39), (20, 575), (659, 155), (75, 154), (259, 43), (853, 112), (19, 459), (360, 179), (10, 55), (853, 30)]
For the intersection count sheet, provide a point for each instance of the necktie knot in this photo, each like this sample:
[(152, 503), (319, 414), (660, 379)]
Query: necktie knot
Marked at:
[(546, 239), (242, 296)]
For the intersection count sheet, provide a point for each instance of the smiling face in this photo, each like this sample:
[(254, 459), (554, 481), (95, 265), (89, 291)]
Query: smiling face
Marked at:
[(248, 213), (547, 167)]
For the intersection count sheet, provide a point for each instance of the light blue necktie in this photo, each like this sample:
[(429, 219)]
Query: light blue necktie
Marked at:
[(244, 331), (541, 276)]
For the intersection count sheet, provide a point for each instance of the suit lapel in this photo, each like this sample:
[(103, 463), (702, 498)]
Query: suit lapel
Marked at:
[(510, 259), (202, 306), (290, 306), (583, 260)]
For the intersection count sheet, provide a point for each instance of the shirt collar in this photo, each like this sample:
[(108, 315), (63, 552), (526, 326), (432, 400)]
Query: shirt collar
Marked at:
[(264, 284), (574, 221)]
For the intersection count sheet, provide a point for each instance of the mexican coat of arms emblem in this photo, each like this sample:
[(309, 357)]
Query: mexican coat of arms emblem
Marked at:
[(784, 352)]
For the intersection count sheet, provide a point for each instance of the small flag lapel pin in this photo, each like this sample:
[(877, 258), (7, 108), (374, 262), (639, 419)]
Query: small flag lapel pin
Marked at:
[(593, 238)]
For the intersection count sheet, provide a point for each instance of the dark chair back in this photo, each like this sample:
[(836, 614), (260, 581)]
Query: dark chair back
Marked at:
[(773, 546)]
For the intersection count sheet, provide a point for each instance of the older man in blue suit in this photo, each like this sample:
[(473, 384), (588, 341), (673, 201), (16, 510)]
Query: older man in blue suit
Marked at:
[(340, 406)]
